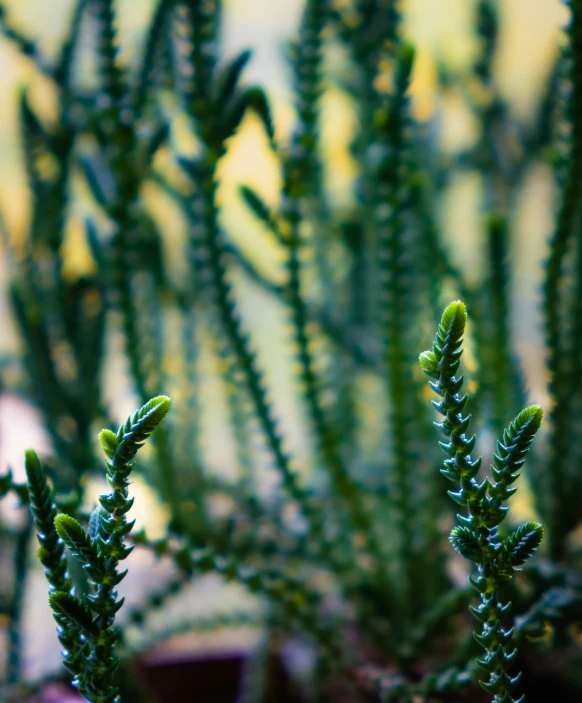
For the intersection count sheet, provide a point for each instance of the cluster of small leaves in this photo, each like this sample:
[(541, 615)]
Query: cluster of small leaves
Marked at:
[(477, 538), (52, 556), (361, 282), (86, 625)]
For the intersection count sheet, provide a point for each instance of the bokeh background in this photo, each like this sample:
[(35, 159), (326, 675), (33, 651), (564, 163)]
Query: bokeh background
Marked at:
[(442, 31)]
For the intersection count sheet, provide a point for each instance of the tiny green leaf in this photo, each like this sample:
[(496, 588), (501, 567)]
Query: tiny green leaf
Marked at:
[(521, 544), (406, 57), (454, 320), (429, 364), (79, 543), (138, 428), (257, 101), (255, 203), (229, 79), (94, 523), (70, 609), (32, 464), (109, 441), (69, 530), (52, 553), (465, 541)]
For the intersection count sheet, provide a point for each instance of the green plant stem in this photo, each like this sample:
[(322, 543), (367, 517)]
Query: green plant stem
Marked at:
[(550, 489), (334, 332), (52, 556), (21, 567), (100, 550), (300, 184), (478, 539)]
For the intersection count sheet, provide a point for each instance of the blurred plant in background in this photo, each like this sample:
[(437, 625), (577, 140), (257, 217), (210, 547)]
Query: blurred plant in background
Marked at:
[(342, 534)]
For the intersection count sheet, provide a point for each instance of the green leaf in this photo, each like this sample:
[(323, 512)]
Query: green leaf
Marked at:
[(52, 555), (139, 427), (94, 523), (443, 361), (466, 542), (406, 55), (79, 544), (75, 613), (429, 364), (521, 544), (256, 204), (453, 322), (99, 180), (512, 450), (232, 115), (156, 36), (64, 69), (108, 441), (229, 78), (261, 211), (34, 144), (258, 102)]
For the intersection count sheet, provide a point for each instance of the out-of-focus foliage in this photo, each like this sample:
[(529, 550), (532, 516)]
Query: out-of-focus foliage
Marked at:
[(348, 549)]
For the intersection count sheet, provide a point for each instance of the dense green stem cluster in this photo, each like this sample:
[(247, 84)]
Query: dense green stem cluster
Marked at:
[(52, 556), (86, 625), (301, 184), (477, 539), (350, 545)]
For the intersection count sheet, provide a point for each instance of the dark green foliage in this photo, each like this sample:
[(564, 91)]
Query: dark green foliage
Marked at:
[(86, 624), (74, 614), (466, 543), (81, 546), (523, 542), (477, 539), (301, 182), (261, 211), (348, 551), (122, 448), (52, 556), (51, 552)]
